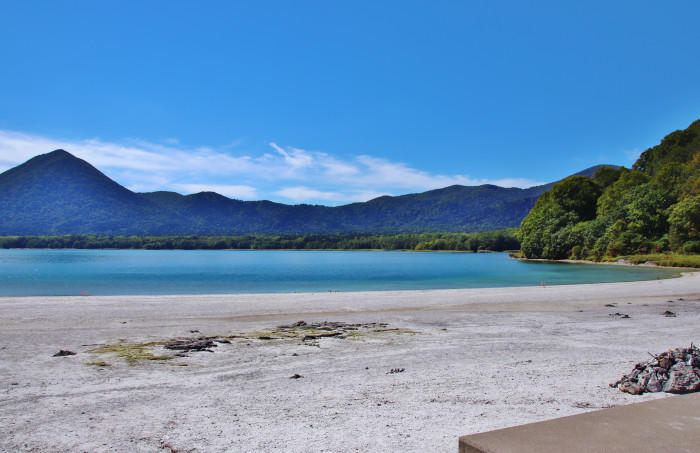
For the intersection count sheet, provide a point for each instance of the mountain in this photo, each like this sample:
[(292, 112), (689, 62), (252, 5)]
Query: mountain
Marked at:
[(57, 193)]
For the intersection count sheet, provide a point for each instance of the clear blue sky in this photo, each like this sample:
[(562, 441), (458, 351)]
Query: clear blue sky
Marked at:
[(330, 101)]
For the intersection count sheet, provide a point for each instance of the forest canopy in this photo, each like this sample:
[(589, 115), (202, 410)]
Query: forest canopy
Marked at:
[(489, 240), (651, 208)]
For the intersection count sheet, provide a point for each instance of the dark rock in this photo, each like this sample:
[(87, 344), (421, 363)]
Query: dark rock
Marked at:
[(191, 345), (296, 376), (619, 315), (291, 326), (322, 335), (64, 352), (669, 314)]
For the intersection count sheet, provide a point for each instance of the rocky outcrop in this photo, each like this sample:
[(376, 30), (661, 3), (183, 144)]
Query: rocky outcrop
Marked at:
[(674, 371)]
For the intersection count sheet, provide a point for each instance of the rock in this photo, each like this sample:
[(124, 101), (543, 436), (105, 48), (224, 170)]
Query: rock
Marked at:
[(296, 376), (64, 352), (619, 315), (682, 379), (322, 335), (669, 314), (631, 388), (654, 384), (191, 345), (673, 371)]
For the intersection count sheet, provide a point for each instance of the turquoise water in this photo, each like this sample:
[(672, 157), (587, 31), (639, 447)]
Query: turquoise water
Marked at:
[(103, 272)]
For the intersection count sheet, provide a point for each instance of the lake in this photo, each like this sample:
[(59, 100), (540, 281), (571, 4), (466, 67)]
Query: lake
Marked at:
[(116, 272)]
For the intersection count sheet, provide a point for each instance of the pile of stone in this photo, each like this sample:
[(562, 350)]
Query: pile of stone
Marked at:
[(674, 371)]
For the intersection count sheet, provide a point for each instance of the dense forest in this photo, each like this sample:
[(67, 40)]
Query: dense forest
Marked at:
[(490, 240), (652, 208)]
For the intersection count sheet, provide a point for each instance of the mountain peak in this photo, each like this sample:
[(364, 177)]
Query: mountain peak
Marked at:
[(57, 153)]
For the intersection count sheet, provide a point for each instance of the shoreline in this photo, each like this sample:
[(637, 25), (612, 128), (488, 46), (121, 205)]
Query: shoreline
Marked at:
[(440, 295), (621, 262), (433, 365)]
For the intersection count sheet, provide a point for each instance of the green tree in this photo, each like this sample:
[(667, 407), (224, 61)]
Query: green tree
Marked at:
[(607, 175), (684, 222), (578, 194), (612, 196)]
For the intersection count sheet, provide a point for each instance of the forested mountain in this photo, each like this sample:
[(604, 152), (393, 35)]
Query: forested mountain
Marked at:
[(653, 207), (57, 193)]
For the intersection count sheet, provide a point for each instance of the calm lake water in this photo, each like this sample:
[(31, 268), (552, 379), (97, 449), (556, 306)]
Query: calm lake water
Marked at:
[(103, 272)]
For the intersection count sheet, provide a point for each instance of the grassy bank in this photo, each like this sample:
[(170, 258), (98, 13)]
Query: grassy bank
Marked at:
[(660, 259)]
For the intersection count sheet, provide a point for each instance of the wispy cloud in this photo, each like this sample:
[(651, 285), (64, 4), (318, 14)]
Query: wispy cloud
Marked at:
[(632, 155), (284, 173)]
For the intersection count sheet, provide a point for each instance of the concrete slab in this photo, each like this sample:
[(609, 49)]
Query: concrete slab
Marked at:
[(670, 425)]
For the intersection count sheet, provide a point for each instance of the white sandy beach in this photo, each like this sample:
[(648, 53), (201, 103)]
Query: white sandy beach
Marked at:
[(472, 360)]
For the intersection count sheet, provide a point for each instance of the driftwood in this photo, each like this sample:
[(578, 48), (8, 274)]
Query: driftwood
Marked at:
[(674, 371)]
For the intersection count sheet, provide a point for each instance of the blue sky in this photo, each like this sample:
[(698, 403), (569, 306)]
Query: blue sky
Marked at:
[(334, 102)]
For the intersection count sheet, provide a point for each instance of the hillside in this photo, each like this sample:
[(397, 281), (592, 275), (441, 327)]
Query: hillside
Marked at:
[(57, 193), (655, 207)]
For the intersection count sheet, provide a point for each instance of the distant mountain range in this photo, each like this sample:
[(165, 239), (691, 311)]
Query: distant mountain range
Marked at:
[(58, 193)]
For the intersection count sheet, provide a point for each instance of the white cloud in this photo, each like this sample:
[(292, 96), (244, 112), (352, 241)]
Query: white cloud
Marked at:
[(296, 158), (301, 193), (515, 182), (16, 147), (292, 174)]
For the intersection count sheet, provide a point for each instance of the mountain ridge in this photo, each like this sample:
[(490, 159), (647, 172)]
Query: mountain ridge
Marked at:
[(58, 193)]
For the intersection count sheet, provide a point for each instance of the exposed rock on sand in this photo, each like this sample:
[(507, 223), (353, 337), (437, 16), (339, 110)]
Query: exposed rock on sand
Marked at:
[(674, 371), (191, 345)]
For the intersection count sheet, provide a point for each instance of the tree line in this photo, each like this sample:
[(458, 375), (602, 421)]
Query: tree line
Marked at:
[(490, 240), (654, 207)]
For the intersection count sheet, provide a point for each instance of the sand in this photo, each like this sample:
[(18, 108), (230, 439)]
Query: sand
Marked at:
[(472, 360)]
